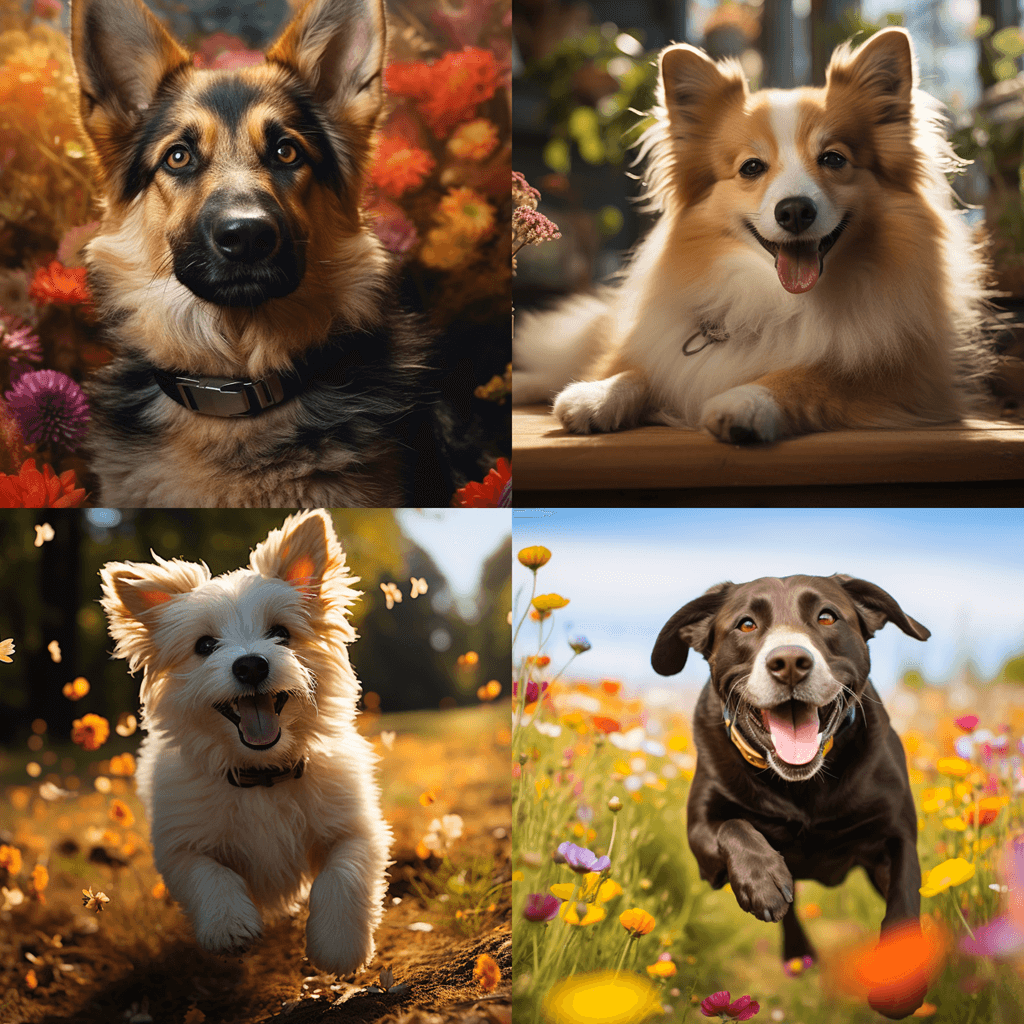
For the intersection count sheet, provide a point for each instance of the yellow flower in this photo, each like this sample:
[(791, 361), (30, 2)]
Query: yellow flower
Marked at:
[(930, 806), (549, 602), (474, 140), (122, 764), (956, 824), (94, 900), (444, 249), (518, 876), (636, 921), (569, 914), (661, 969), (159, 891), (10, 858), (77, 689), (487, 972), (534, 557), (40, 877), (468, 213), (6, 650), (949, 872), (607, 997), (608, 889), (955, 766)]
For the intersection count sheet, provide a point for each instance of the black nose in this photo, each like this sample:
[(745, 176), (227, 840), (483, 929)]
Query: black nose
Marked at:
[(795, 214), (790, 664), (251, 669), (246, 239)]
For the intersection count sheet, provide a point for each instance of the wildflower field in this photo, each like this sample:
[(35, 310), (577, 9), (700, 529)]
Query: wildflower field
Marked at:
[(88, 933), (612, 922)]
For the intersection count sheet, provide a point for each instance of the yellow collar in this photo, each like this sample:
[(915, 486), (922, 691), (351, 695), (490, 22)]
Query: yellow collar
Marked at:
[(750, 754)]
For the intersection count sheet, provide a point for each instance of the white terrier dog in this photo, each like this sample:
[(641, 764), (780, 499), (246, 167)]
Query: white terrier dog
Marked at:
[(258, 787)]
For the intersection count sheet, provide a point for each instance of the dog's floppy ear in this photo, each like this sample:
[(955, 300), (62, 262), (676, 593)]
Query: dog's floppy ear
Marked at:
[(121, 54), (338, 47), (303, 553), (689, 627), (876, 607)]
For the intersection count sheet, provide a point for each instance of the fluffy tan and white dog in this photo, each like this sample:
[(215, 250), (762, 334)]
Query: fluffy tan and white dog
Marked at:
[(259, 790)]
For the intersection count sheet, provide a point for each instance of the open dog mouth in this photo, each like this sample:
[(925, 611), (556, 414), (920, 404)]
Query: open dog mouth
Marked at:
[(256, 716), (795, 731), (800, 264)]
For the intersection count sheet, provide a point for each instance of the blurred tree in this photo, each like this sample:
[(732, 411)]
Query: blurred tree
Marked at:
[(996, 15), (831, 23), (777, 44)]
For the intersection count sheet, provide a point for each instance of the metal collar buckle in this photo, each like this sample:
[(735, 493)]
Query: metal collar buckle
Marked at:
[(223, 396)]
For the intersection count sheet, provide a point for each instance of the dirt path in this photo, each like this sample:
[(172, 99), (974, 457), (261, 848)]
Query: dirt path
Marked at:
[(138, 962)]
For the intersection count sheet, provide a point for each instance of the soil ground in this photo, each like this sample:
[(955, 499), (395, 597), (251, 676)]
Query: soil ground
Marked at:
[(138, 961)]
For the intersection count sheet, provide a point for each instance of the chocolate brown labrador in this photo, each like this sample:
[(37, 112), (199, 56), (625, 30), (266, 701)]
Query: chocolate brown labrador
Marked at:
[(799, 773)]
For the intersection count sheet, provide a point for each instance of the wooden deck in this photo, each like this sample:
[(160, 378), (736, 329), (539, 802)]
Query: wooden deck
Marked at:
[(983, 458)]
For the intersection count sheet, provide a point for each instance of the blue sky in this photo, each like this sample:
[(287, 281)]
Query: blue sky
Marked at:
[(958, 571)]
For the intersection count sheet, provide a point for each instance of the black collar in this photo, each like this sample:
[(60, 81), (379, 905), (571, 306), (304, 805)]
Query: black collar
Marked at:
[(246, 778), (243, 397)]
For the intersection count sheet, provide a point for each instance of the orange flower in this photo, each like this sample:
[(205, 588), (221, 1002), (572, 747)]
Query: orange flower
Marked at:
[(30, 979), (121, 814), (90, 732), (534, 557), (40, 878), (10, 858), (122, 764), (60, 285), (604, 724), (474, 141), (32, 489), (487, 972), (470, 216), (636, 921), (984, 812), (611, 686), (399, 167), (811, 911)]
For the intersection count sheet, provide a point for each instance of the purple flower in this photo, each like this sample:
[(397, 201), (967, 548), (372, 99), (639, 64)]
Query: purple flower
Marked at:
[(718, 1005), (580, 644), (541, 907), (18, 343), (50, 408), (394, 229), (582, 860), (1000, 937)]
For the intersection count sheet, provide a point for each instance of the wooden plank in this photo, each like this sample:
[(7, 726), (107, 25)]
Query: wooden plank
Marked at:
[(546, 457)]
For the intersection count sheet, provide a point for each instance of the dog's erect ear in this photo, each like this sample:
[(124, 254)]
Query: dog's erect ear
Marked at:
[(121, 54), (881, 70), (689, 627), (693, 83), (338, 47), (303, 553), (130, 589), (876, 607)]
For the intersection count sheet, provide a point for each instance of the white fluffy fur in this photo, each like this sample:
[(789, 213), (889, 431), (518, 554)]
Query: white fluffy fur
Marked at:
[(229, 854)]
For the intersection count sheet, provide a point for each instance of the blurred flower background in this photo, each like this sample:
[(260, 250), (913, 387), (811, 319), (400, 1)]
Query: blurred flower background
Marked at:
[(439, 197)]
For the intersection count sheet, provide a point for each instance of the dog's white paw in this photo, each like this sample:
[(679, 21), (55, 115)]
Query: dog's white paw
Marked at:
[(743, 415), (228, 926), (339, 932), (597, 406)]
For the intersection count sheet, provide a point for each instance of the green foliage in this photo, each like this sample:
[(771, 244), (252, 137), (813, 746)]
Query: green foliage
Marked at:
[(599, 132)]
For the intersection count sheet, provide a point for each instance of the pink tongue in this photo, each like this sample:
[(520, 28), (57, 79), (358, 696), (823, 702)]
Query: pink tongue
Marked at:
[(798, 266), (795, 742), (259, 725)]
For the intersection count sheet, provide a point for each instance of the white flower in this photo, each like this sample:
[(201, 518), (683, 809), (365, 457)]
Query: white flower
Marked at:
[(548, 729)]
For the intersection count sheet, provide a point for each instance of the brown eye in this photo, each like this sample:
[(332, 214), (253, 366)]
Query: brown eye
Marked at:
[(177, 158), (286, 153), (827, 618), (747, 625)]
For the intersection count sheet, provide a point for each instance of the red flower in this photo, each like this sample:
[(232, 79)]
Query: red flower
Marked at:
[(718, 1005), (967, 722), (32, 489), (448, 90), (60, 285), (399, 166), (494, 492)]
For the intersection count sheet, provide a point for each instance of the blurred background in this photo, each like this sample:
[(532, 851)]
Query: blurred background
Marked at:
[(432, 651), (626, 572), (584, 76)]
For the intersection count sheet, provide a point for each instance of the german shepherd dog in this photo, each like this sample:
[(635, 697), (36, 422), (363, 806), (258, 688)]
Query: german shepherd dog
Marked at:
[(262, 354)]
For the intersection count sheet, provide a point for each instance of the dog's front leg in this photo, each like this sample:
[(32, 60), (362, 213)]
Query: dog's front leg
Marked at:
[(598, 406), (345, 906), (903, 898), (216, 898), (760, 880)]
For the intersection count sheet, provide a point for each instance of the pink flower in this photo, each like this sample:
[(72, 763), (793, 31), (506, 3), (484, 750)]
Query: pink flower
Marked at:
[(533, 691), (541, 907), (718, 1005), (967, 722)]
